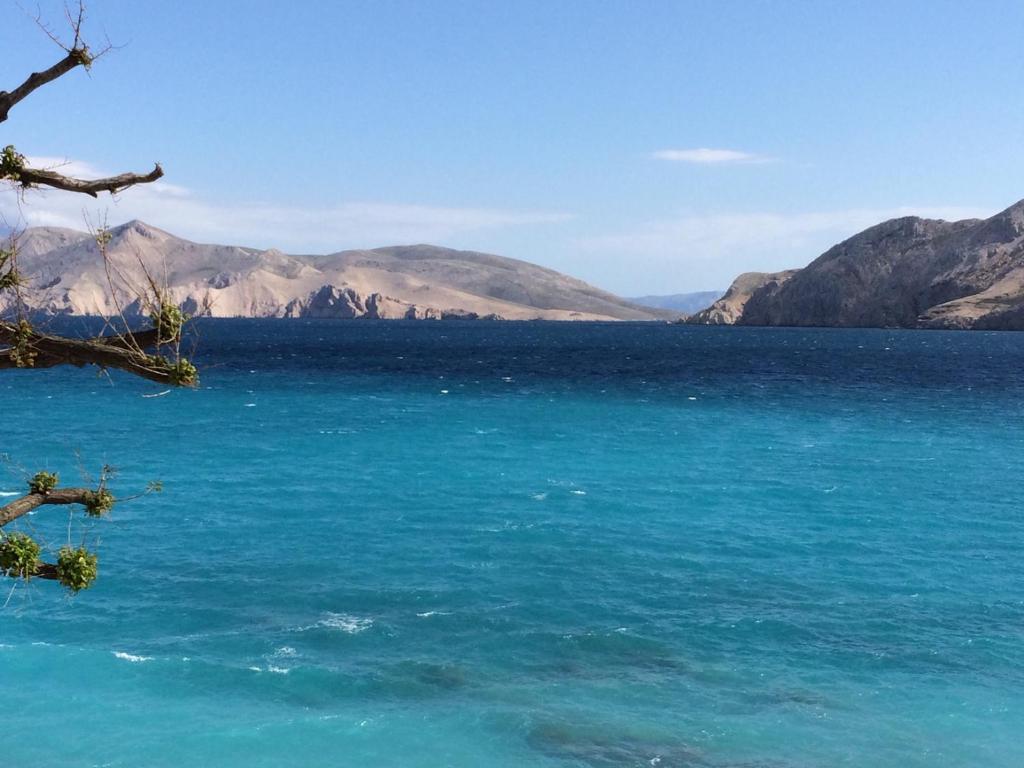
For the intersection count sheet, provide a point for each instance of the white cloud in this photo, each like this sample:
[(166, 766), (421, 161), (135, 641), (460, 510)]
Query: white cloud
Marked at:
[(703, 252), (294, 228), (706, 156)]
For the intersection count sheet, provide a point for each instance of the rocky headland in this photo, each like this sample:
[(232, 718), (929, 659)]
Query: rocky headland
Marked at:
[(904, 273)]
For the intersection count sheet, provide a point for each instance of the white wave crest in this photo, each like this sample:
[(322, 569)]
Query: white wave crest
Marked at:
[(131, 657), (346, 623)]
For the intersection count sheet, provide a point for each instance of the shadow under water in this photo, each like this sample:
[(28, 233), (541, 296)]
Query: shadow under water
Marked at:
[(606, 747)]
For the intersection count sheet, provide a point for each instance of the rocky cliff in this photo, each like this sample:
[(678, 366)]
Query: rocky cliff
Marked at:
[(66, 274), (906, 273), (728, 309)]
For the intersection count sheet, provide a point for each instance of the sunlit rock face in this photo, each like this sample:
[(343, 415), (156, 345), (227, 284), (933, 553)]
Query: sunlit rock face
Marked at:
[(905, 273), (66, 274)]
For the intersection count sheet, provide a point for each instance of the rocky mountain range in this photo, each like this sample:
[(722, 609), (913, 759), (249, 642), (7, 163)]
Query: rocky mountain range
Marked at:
[(685, 303), (66, 274), (906, 273)]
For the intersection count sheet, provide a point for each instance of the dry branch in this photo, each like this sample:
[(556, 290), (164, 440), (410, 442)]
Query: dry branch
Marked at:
[(76, 57), (121, 351), (22, 346), (77, 54), (46, 571), (28, 177), (59, 496), (15, 509)]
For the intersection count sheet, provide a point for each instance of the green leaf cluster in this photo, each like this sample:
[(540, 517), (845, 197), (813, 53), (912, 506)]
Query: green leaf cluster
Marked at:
[(168, 321), (43, 482), (184, 374), (181, 373), (98, 503), (12, 163), (19, 555), (21, 352), (9, 276), (76, 568)]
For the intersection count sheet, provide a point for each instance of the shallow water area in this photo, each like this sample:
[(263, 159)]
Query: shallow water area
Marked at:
[(508, 544)]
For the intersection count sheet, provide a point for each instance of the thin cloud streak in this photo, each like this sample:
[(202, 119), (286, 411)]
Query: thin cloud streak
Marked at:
[(707, 156), (354, 224)]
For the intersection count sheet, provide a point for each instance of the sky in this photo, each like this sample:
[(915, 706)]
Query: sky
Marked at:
[(647, 147)]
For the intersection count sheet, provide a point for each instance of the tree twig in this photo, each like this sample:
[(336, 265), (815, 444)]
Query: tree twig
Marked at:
[(75, 58), (28, 177)]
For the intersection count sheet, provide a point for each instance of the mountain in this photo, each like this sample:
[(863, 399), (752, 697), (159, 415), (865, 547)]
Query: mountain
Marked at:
[(67, 275), (907, 273), (686, 303), (728, 309)]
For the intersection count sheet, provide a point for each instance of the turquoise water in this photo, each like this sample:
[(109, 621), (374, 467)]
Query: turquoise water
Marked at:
[(445, 544)]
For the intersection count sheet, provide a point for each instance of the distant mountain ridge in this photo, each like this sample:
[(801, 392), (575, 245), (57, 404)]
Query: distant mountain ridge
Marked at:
[(66, 275), (906, 273), (687, 303)]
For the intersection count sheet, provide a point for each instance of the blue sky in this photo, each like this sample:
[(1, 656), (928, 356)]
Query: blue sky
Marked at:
[(647, 147)]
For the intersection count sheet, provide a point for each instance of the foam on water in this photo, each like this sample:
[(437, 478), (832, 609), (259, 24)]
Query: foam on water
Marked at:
[(341, 621), (131, 657)]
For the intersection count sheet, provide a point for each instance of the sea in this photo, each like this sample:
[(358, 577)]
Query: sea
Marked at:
[(423, 544)]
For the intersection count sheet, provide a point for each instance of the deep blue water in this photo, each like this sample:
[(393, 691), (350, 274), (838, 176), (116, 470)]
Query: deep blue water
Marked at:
[(533, 544)]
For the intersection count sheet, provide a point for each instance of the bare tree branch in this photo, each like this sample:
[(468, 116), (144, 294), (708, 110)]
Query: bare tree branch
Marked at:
[(113, 184), (58, 496), (15, 509), (129, 341), (22, 346), (77, 57), (121, 352), (46, 571)]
